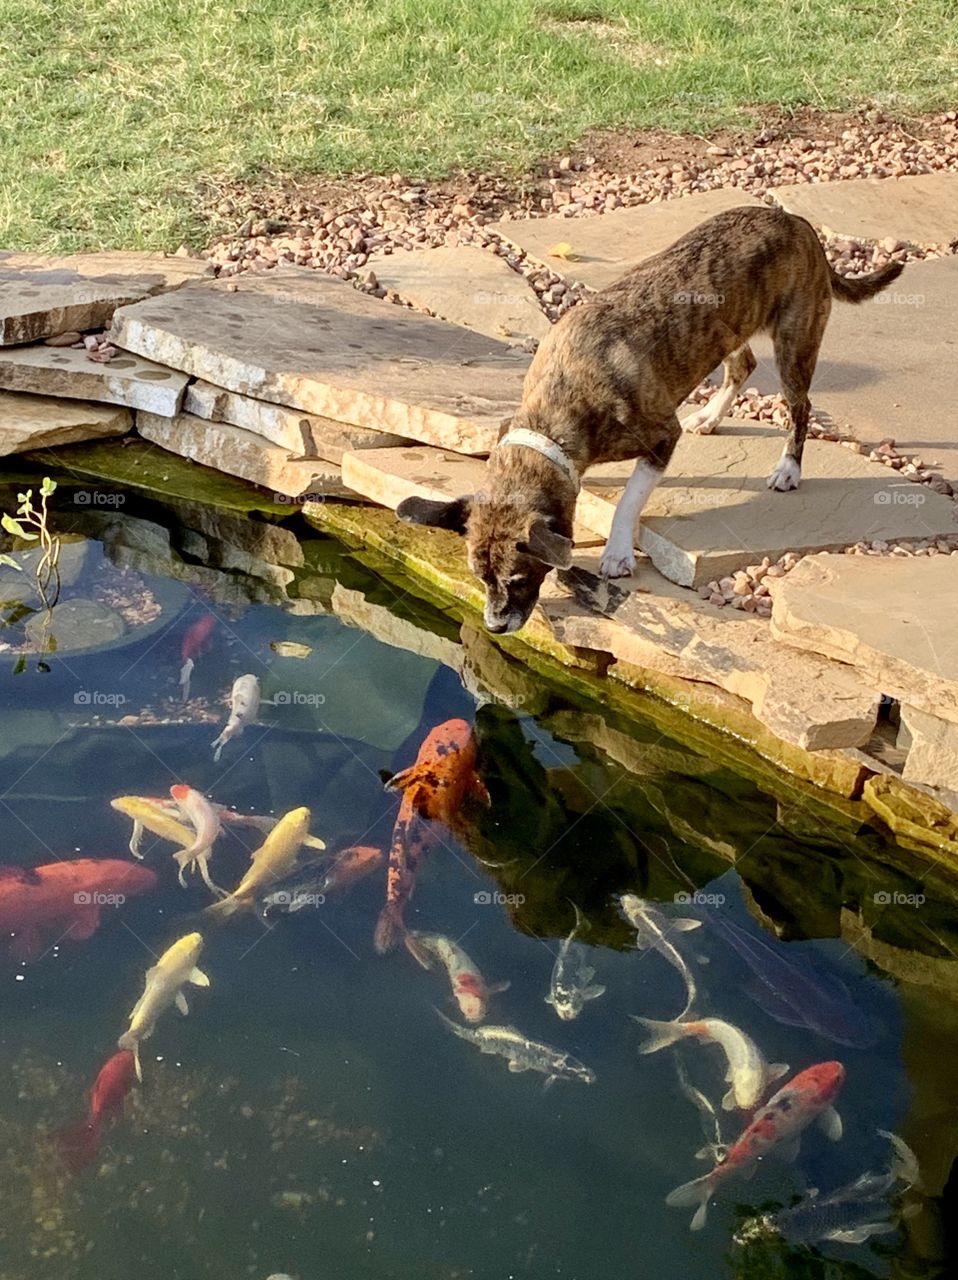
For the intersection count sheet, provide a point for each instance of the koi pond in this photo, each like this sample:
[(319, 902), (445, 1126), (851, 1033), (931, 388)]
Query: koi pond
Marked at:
[(552, 964)]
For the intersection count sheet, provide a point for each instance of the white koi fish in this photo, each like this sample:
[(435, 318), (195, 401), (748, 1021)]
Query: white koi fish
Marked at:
[(652, 928), (468, 985), (244, 708), (572, 987), (204, 819), (748, 1074), (522, 1054), (164, 986)]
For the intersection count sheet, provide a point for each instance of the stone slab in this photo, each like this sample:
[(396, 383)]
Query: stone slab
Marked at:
[(240, 453), (887, 368), (42, 296), (387, 476), (299, 338), (815, 704), (466, 285), (932, 757), (610, 244), (712, 513), (43, 422), (921, 210), (62, 371), (891, 618), (304, 434)]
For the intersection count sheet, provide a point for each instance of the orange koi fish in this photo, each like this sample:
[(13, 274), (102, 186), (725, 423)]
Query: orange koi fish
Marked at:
[(433, 791)]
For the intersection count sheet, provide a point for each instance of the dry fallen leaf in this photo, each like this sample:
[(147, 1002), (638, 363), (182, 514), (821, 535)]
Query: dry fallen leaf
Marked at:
[(290, 649), (563, 250)]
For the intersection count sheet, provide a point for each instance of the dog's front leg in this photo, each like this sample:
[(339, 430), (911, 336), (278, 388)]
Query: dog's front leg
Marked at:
[(618, 558)]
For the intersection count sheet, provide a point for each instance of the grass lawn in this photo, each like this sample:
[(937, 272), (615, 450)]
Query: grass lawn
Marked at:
[(114, 111)]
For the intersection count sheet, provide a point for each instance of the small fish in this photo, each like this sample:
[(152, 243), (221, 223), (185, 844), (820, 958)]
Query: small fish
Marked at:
[(793, 994), (570, 989), (748, 1074), (272, 862), (850, 1214), (469, 988), (522, 1054), (778, 1125), (164, 986), (64, 901), (203, 817), (433, 791), (342, 872), (78, 1146), (652, 928), (195, 639), (716, 1148), (244, 708), (157, 815)]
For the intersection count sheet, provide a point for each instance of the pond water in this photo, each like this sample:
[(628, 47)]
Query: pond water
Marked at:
[(313, 1117)]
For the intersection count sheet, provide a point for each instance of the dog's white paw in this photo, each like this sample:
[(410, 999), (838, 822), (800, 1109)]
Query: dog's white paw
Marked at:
[(615, 564), (786, 475), (700, 423)]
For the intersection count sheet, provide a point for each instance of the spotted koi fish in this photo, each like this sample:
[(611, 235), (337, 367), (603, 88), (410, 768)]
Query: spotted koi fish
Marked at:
[(779, 1125), (433, 791)]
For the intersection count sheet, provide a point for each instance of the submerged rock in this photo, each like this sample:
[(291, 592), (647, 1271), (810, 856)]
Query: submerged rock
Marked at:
[(74, 624)]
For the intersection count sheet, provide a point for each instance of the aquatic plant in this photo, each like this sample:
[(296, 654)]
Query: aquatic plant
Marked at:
[(31, 523)]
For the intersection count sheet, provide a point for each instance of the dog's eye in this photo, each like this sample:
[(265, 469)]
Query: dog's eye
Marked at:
[(516, 579)]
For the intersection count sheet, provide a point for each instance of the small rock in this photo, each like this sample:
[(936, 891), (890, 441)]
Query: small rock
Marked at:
[(64, 339)]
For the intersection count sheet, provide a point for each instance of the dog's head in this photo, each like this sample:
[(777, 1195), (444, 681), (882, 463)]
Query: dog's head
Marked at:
[(509, 549)]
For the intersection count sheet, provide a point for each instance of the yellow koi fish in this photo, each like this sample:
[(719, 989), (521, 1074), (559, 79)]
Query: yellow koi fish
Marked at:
[(275, 858), (150, 814), (164, 986)]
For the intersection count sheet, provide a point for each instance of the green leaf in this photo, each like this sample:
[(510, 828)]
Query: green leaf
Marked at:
[(47, 487), (10, 562), (16, 528)]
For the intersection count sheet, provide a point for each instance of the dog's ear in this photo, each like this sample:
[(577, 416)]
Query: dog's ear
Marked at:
[(543, 542), (439, 515)]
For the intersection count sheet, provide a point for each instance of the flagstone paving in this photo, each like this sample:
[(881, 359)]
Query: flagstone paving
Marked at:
[(41, 296), (921, 210), (712, 513), (63, 371), (892, 619), (302, 433), (240, 453), (296, 337), (607, 246), (41, 422), (468, 286)]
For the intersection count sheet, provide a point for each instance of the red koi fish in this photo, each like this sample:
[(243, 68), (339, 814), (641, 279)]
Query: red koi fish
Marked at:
[(79, 1145), (195, 640), (778, 1124), (63, 900), (433, 791)]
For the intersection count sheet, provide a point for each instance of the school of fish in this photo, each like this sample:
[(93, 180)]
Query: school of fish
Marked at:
[(291, 867)]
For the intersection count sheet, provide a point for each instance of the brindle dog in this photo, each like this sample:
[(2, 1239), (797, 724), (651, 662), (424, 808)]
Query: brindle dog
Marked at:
[(606, 381)]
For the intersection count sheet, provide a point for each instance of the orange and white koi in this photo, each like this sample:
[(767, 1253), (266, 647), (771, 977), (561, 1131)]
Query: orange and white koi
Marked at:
[(748, 1074), (778, 1125), (433, 791), (469, 988)]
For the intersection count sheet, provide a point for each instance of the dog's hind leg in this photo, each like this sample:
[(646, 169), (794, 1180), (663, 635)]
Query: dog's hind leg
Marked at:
[(618, 558), (797, 338), (739, 366)]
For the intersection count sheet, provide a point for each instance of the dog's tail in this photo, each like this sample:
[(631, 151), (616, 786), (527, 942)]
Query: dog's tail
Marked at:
[(860, 289)]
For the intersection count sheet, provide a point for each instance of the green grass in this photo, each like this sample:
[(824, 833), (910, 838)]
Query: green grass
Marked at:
[(115, 111)]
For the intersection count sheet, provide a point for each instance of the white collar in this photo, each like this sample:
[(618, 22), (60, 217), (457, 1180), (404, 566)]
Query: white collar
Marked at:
[(548, 448)]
